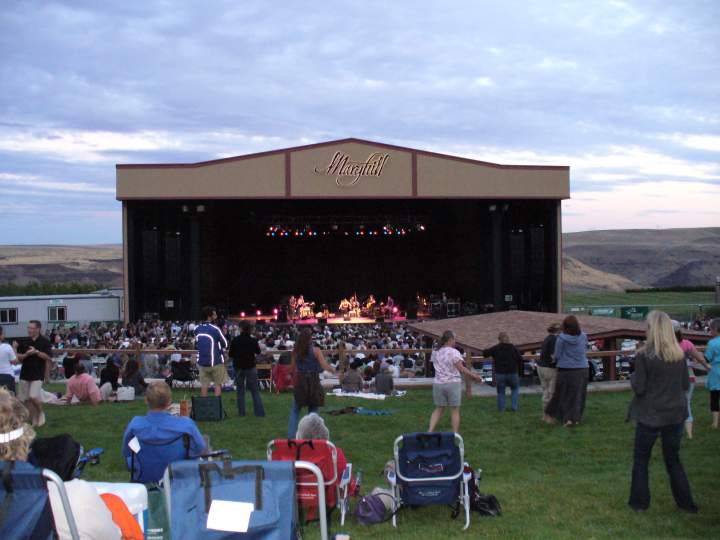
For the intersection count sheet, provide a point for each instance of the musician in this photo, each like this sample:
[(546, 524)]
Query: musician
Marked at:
[(292, 305), (370, 302), (344, 305), (300, 301)]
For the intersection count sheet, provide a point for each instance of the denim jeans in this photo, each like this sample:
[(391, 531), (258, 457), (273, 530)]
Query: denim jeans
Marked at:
[(640, 488), (513, 381), (295, 419), (247, 378)]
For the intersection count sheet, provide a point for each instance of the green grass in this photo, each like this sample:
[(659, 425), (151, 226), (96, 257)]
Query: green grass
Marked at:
[(552, 482), (666, 301)]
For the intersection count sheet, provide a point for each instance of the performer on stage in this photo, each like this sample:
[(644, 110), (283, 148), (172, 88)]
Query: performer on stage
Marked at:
[(292, 307), (344, 305)]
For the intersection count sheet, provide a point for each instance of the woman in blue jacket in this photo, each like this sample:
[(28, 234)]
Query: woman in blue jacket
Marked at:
[(568, 402)]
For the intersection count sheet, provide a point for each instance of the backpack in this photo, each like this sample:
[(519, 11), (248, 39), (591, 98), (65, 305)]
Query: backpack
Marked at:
[(484, 504), (60, 454), (207, 409), (371, 509)]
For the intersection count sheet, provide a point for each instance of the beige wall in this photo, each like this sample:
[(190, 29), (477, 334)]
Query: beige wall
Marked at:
[(265, 176), (395, 180), (441, 177), (252, 177)]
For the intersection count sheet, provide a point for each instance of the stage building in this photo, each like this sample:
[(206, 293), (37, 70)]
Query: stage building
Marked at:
[(329, 219)]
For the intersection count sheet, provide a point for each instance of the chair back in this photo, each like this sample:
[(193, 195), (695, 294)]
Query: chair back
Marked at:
[(25, 510), (320, 453), (182, 370), (429, 467), (149, 463)]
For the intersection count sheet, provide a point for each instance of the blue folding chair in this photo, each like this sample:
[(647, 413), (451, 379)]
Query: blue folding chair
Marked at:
[(149, 463), (25, 504), (429, 470)]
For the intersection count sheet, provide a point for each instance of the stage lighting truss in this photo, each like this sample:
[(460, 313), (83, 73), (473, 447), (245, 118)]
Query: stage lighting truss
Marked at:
[(358, 226)]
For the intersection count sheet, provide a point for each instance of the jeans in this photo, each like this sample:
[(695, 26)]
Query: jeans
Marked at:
[(247, 378), (295, 419), (513, 381), (640, 489)]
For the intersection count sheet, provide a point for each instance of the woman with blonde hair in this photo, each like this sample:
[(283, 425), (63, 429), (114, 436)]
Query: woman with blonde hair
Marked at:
[(660, 381)]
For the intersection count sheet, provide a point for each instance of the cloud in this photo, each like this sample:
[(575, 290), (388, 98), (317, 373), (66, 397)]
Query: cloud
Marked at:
[(31, 181)]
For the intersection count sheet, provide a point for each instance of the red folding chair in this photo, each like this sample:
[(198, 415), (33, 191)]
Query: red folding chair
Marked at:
[(281, 378), (324, 455)]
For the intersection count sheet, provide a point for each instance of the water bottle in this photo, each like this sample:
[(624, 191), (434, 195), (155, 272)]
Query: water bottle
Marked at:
[(358, 481)]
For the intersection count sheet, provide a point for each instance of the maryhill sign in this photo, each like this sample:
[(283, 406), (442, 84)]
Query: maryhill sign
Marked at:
[(347, 172)]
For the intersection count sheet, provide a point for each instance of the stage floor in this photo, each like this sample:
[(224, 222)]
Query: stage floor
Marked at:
[(313, 321)]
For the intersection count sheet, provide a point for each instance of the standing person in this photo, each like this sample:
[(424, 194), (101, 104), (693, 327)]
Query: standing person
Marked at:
[(547, 368), (447, 385), (568, 402), (659, 382), (243, 349), (508, 366), (210, 344), (691, 355), (307, 362), (712, 354), (7, 359), (36, 359)]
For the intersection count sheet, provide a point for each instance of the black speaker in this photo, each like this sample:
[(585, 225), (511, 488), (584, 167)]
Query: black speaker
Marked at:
[(379, 319), (346, 316), (411, 313), (322, 320)]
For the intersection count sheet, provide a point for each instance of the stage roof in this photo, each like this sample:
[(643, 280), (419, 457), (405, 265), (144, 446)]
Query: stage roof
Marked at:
[(527, 329), (347, 168)]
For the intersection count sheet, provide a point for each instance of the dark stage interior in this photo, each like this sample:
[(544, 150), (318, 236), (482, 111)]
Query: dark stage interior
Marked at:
[(241, 255)]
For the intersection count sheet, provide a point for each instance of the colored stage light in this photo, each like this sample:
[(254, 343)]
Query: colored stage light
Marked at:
[(242, 314), (275, 311), (395, 309), (258, 313)]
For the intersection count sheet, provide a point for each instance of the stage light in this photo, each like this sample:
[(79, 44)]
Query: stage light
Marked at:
[(422, 227), (275, 311), (258, 313), (395, 309), (242, 314)]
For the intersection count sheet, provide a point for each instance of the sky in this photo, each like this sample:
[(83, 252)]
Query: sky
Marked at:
[(625, 93)]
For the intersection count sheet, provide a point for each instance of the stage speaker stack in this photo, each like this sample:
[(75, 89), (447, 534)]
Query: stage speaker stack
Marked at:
[(411, 312), (346, 316), (283, 315), (322, 320), (380, 319)]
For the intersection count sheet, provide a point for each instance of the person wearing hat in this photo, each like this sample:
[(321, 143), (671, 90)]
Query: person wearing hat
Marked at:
[(547, 368)]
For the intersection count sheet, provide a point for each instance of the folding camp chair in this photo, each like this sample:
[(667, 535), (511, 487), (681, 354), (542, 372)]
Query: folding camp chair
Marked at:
[(264, 375), (183, 373), (190, 489), (149, 462), (282, 378), (324, 454), (25, 505), (429, 469)]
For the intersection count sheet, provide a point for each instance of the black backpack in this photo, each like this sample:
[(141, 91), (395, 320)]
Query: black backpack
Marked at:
[(60, 454), (484, 504)]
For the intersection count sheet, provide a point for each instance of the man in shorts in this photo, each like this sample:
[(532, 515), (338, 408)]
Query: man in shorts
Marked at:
[(36, 359), (210, 343)]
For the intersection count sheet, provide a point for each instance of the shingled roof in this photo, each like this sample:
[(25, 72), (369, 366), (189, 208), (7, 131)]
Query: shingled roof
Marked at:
[(527, 329)]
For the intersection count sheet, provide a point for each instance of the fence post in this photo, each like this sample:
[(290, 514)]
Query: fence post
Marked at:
[(468, 380), (138, 354)]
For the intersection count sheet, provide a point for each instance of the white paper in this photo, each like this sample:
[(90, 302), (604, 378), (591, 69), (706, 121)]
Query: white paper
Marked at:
[(231, 516), (134, 445)]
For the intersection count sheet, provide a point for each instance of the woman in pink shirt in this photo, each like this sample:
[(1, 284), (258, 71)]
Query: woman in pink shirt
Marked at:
[(447, 386), (82, 386), (691, 355)]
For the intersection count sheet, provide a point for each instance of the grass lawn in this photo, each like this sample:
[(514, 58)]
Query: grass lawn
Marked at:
[(666, 301), (552, 482)]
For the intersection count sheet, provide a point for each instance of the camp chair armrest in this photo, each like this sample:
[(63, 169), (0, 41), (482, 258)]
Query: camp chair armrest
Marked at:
[(392, 478), (215, 453)]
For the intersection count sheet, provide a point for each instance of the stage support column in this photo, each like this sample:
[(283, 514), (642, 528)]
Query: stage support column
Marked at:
[(497, 259), (194, 267)]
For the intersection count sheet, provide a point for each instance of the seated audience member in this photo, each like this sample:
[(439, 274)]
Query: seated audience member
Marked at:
[(93, 519), (133, 377), (312, 426), (384, 381), (69, 363), (82, 386), (110, 374), (351, 380), (158, 424)]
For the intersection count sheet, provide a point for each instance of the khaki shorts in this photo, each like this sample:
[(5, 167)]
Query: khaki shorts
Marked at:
[(213, 374), (447, 394), (29, 389)]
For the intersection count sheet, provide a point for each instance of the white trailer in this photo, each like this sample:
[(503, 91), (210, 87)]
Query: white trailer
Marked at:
[(59, 309)]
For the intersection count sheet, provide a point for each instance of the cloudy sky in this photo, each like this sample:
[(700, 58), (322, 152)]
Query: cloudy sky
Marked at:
[(626, 93)]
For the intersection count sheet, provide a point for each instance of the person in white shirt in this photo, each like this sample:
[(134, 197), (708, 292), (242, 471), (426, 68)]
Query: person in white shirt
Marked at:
[(7, 359)]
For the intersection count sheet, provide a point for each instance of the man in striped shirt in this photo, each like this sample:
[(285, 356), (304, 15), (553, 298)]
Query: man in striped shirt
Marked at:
[(210, 343)]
